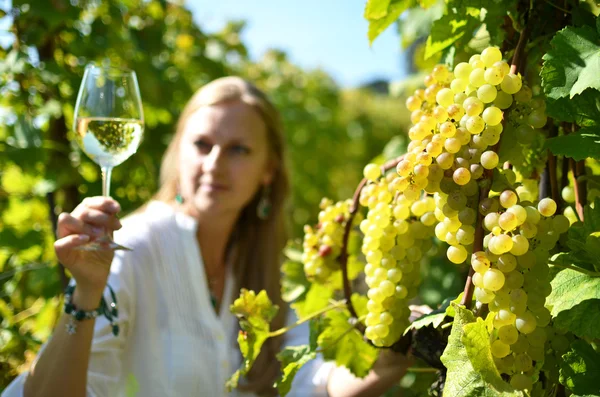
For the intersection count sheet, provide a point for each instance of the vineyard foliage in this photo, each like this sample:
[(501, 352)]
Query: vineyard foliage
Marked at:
[(42, 173), (499, 178)]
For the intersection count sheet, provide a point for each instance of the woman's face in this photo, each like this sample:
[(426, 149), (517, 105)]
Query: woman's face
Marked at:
[(224, 159)]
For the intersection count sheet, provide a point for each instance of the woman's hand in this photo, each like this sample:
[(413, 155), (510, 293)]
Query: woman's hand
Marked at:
[(92, 219)]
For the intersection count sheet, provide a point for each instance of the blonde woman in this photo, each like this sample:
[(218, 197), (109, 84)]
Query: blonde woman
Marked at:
[(215, 225)]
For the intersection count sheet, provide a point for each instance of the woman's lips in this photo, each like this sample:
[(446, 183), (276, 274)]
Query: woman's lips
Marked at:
[(214, 187)]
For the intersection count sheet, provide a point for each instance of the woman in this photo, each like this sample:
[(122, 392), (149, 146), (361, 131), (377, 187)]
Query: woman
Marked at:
[(215, 225)]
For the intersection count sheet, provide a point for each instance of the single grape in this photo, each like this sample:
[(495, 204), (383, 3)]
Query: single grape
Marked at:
[(445, 97), (500, 349), (372, 172), (490, 56), (547, 207), (492, 115), (493, 280), (489, 159), (511, 84), (487, 93), (462, 71), (413, 103), (475, 124), (461, 176), (568, 194)]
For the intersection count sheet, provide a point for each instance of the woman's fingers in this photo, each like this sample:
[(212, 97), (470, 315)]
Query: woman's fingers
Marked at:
[(101, 203), (69, 242), (90, 222)]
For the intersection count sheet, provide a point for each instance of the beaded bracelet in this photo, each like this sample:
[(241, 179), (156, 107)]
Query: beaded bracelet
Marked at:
[(109, 311)]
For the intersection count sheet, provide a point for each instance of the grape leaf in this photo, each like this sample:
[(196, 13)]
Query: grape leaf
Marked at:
[(582, 320), (570, 288), (448, 30), (292, 358), (583, 109), (395, 9), (580, 369), (293, 281), (254, 312), (585, 143), (376, 9), (316, 298), (468, 358), (437, 316), (343, 343), (573, 63)]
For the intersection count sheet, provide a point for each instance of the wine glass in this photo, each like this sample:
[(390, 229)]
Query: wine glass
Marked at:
[(108, 125)]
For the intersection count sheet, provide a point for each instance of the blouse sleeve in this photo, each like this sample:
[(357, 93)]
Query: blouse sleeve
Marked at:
[(106, 356), (311, 379)]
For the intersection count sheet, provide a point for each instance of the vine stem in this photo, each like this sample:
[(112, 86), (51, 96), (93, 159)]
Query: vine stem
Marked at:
[(517, 64), (343, 259), (577, 269), (281, 331), (577, 170)]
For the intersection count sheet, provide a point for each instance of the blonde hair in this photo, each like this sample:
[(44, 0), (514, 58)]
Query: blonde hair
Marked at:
[(259, 243)]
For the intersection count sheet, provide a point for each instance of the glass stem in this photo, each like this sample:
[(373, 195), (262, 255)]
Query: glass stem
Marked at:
[(106, 171)]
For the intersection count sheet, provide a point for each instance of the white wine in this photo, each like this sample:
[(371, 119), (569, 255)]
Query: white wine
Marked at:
[(108, 141)]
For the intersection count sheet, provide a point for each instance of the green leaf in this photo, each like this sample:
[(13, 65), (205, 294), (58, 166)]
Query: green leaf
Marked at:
[(292, 359), (573, 64), (341, 342), (254, 313), (580, 369), (293, 281), (316, 298), (434, 318), (582, 320), (468, 358), (582, 109), (376, 9), (570, 288), (396, 8), (585, 143), (448, 30)]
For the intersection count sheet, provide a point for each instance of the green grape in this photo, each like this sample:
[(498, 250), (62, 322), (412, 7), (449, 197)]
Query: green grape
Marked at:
[(560, 223), (511, 84), (537, 119), (507, 263), (462, 71), (452, 145), (441, 73), (447, 129), (503, 100), (483, 296), (458, 86), (508, 334), (491, 220), (489, 159), (568, 194), (520, 245), (475, 124), (547, 207), (508, 198), (524, 95), (492, 115), (526, 323), (507, 221), (525, 134), (487, 93), (519, 212), (500, 349), (413, 103), (493, 280), (372, 172), (457, 254), (493, 76), (490, 56), (522, 362), (461, 176), (477, 77)]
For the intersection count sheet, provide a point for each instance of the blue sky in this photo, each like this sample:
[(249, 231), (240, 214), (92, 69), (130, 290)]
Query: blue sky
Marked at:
[(329, 34)]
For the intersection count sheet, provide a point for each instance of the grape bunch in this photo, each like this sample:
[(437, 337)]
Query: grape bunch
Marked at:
[(512, 278), (322, 244), (397, 233)]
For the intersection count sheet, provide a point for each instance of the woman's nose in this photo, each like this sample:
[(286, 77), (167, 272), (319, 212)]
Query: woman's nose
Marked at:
[(214, 159)]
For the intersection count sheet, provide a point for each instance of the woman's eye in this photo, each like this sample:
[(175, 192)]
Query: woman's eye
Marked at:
[(203, 146), (240, 149)]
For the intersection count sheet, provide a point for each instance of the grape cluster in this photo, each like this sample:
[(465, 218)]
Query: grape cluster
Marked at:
[(457, 120), (512, 278), (323, 243), (397, 233)]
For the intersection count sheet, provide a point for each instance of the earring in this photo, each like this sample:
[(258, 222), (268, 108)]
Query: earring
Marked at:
[(178, 198), (264, 204)]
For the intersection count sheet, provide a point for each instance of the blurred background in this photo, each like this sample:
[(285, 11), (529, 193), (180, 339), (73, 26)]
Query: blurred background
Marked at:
[(342, 102)]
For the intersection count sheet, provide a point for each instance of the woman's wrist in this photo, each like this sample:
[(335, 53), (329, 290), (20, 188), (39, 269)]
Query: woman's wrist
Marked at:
[(86, 299)]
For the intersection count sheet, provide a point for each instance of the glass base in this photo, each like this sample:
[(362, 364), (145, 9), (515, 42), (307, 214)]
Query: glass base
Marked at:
[(103, 244)]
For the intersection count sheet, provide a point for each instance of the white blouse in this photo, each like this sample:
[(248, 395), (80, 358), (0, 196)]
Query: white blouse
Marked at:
[(171, 341)]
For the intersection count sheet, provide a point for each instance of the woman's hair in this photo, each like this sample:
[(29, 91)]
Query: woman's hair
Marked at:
[(259, 243)]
